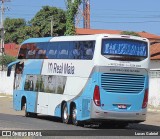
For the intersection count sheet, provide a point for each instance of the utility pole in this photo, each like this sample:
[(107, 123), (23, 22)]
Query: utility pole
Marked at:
[(86, 12), (2, 30), (83, 12), (51, 26)]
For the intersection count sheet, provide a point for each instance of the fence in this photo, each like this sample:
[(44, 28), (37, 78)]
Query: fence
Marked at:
[(6, 83)]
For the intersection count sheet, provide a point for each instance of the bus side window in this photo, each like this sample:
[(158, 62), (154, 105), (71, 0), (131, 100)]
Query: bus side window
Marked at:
[(70, 50), (22, 52), (31, 51), (30, 83), (19, 68), (52, 53), (18, 75), (89, 50), (41, 54), (52, 50), (63, 54), (63, 50), (77, 51)]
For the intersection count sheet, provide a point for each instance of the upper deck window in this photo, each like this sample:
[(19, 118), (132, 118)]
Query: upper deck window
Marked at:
[(124, 49), (58, 50)]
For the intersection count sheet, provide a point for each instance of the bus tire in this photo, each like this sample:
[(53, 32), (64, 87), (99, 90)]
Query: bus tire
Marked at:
[(65, 115), (33, 115), (74, 116), (28, 114)]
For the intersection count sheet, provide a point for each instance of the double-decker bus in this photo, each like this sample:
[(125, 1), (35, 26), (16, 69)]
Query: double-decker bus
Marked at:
[(83, 78)]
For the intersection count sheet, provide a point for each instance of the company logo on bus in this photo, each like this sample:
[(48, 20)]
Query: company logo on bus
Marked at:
[(63, 68)]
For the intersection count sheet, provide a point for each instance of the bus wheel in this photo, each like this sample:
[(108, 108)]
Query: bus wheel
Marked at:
[(28, 114), (65, 115), (74, 116)]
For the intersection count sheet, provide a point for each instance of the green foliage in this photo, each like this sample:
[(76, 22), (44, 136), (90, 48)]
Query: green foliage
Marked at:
[(18, 30), (12, 27), (41, 23), (6, 59), (27, 32), (72, 8), (130, 33)]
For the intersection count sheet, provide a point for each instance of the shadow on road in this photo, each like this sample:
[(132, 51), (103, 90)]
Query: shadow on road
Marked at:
[(49, 118), (140, 127)]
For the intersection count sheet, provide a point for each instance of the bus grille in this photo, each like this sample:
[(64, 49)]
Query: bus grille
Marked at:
[(122, 83)]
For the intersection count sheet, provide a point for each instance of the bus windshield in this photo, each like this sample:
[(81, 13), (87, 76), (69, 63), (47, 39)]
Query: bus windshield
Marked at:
[(124, 49)]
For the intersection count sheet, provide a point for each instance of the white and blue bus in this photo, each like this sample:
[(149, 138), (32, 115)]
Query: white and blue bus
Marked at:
[(83, 78)]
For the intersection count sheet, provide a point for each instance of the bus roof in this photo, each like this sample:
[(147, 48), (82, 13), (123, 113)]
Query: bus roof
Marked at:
[(75, 38), (94, 37), (33, 40), (79, 37)]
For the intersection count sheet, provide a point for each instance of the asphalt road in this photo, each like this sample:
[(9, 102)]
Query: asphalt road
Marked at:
[(15, 120)]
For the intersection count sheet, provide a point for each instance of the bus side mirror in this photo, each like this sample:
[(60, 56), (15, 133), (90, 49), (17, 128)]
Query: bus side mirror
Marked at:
[(10, 67), (8, 72)]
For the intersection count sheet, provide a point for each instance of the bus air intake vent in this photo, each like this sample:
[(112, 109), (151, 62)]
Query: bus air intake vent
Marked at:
[(122, 83)]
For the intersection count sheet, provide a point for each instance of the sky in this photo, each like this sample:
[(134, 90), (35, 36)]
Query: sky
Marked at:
[(126, 15)]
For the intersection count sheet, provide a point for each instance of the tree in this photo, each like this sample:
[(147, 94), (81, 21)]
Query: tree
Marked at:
[(18, 30), (41, 23), (72, 8), (130, 33), (6, 59), (26, 33), (11, 27)]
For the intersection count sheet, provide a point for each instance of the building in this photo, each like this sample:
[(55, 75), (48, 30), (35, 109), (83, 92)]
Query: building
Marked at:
[(155, 74), (11, 49)]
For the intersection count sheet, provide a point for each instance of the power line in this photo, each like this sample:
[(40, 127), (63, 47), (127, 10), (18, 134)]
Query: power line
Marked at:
[(101, 15), (37, 6), (97, 16), (132, 22), (100, 21), (122, 10), (115, 16)]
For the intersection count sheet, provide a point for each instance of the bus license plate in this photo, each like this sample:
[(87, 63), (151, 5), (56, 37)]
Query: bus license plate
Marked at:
[(122, 106)]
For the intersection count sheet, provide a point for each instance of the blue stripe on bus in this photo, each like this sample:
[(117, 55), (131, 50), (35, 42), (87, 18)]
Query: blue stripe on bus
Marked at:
[(33, 67), (35, 40), (31, 98)]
